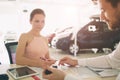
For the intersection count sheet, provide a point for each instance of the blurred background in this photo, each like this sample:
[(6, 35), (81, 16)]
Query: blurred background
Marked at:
[(60, 14)]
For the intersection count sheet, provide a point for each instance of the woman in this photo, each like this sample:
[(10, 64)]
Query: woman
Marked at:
[(32, 47)]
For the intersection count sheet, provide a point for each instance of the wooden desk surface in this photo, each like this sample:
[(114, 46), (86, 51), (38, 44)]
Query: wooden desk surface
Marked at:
[(80, 72)]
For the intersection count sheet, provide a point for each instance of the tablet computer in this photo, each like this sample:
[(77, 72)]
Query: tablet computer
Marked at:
[(21, 72)]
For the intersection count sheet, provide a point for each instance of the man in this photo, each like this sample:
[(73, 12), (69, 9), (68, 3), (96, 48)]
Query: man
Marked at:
[(110, 13)]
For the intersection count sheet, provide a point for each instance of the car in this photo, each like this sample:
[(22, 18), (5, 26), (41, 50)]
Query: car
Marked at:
[(61, 33), (50, 37), (94, 34)]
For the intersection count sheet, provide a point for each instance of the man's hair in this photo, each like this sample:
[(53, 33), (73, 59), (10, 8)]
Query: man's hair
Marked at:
[(36, 11), (114, 3)]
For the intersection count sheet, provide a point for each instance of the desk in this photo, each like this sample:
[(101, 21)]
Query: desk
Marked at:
[(81, 72)]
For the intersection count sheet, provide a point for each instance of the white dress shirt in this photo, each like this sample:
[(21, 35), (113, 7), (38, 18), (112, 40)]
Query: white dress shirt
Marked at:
[(111, 60)]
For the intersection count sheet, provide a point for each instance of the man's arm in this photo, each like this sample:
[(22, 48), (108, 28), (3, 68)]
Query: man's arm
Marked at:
[(106, 61)]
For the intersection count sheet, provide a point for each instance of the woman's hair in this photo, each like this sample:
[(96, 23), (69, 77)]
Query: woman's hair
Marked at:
[(114, 3), (36, 11)]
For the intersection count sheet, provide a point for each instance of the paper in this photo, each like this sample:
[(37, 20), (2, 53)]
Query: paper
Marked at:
[(109, 72), (105, 72)]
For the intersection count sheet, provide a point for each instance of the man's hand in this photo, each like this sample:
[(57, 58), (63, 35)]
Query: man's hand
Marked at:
[(68, 61), (54, 75)]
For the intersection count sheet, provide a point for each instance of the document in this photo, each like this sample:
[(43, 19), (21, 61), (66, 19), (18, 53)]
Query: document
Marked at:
[(105, 72)]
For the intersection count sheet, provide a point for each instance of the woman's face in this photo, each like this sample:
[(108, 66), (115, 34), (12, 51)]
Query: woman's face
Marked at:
[(38, 22)]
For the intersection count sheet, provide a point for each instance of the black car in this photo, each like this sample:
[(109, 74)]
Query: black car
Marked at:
[(95, 34)]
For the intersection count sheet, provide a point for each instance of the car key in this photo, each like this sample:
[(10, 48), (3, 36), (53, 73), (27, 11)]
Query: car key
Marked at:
[(49, 72)]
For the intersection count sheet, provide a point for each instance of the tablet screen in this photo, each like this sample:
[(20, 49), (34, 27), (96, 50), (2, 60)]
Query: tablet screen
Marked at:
[(21, 72)]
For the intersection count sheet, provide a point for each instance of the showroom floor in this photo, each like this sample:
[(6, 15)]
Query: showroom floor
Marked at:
[(58, 54)]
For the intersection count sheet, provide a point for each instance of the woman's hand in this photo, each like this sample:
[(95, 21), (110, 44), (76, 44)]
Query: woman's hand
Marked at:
[(50, 61), (47, 62), (43, 64), (55, 75)]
